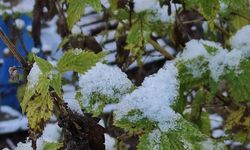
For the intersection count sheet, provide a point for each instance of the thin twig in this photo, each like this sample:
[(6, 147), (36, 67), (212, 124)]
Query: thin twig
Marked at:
[(13, 49), (161, 50)]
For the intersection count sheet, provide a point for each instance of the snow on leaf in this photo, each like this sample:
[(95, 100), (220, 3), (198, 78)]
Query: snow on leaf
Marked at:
[(102, 85), (153, 99)]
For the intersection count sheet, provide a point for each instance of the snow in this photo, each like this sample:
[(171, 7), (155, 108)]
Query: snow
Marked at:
[(29, 28), (76, 30), (143, 5), (18, 123), (215, 121), (51, 133), (161, 13), (104, 79), (241, 40), (154, 98), (24, 6), (105, 3), (19, 23), (218, 133), (155, 139), (1, 61), (50, 39), (35, 50), (33, 76), (217, 61), (6, 51), (69, 93), (109, 142)]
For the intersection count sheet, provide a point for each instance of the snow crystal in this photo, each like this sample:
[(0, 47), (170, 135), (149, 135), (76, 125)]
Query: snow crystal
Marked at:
[(109, 142), (154, 98), (19, 23), (76, 30), (33, 76), (104, 79), (241, 40)]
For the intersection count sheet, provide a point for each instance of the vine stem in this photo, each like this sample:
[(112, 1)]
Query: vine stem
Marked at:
[(13, 50), (161, 50)]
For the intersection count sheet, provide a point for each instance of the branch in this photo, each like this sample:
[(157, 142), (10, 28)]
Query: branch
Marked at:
[(161, 50), (13, 49)]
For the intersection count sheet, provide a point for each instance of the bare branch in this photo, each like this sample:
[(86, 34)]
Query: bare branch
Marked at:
[(13, 49)]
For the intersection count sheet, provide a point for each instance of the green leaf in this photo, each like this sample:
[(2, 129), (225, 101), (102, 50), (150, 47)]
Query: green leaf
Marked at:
[(97, 103), (234, 118), (237, 82), (52, 146), (39, 111), (78, 61), (75, 11), (184, 137), (43, 65), (56, 83), (133, 127), (134, 34), (96, 4)]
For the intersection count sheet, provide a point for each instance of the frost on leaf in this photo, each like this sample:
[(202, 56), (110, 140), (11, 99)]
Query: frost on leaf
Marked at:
[(151, 102), (102, 85)]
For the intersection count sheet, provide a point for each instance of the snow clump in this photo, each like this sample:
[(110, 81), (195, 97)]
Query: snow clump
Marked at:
[(154, 99)]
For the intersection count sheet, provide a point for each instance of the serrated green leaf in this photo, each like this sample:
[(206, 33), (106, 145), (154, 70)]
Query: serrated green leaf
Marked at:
[(134, 34), (234, 118), (97, 103), (75, 11), (133, 127), (184, 137), (78, 61), (52, 146), (96, 4), (39, 111), (56, 83), (43, 65), (237, 82)]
